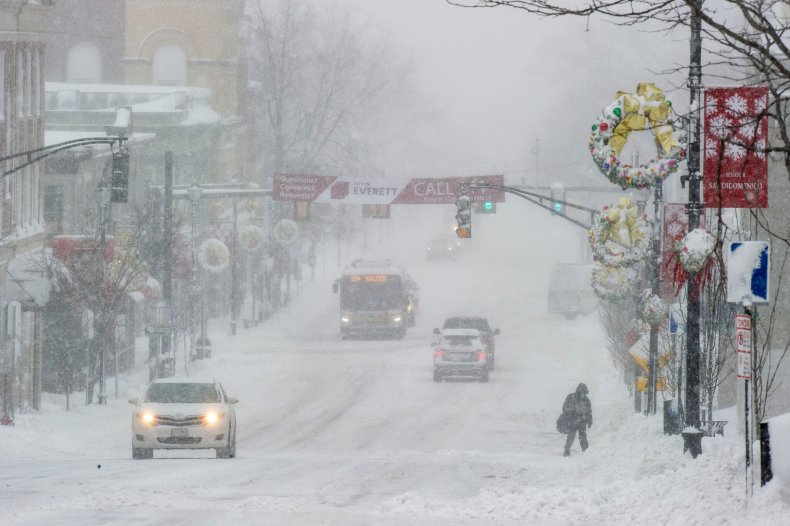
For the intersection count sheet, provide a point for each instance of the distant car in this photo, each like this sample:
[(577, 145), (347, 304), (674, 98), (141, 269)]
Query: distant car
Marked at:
[(442, 247), (184, 413), (460, 353), (480, 324), (570, 290)]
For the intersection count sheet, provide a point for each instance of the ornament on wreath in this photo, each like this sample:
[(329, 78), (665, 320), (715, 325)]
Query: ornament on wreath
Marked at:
[(213, 255), (251, 238), (694, 249), (613, 283), (645, 110), (623, 224), (655, 311)]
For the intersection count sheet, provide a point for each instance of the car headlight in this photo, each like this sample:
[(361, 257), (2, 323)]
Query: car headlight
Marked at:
[(345, 319), (396, 319), (147, 418), (212, 418)]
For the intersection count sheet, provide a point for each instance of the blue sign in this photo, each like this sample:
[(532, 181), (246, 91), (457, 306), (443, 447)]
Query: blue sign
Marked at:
[(748, 272)]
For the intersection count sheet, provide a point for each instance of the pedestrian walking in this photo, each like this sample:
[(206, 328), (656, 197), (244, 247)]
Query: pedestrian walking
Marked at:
[(576, 417)]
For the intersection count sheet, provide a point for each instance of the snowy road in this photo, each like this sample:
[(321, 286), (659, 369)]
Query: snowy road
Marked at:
[(357, 433)]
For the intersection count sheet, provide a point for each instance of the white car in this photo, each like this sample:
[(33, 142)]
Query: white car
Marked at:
[(184, 413), (460, 353)]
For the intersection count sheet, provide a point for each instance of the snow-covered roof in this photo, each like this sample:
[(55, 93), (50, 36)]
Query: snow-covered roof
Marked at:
[(194, 103)]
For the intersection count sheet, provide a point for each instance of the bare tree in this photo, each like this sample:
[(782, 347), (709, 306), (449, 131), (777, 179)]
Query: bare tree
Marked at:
[(319, 80)]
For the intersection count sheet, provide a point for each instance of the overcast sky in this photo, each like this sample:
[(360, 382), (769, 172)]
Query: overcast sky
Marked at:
[(497, 80)]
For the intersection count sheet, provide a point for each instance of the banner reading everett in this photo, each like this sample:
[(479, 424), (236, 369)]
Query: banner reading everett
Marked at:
[(735, 169)]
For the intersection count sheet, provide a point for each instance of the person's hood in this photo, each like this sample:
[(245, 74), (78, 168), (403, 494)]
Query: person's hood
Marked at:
[(582, 389)]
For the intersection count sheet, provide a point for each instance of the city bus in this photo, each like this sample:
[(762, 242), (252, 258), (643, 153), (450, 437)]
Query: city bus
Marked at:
[(377, 298)]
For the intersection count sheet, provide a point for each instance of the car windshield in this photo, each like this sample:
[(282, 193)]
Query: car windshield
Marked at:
[(183, 393), (456, 340), (480, 324)]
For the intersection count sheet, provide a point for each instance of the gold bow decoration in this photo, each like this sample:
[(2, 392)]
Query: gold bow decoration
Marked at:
[(647, 110), (626, 224)]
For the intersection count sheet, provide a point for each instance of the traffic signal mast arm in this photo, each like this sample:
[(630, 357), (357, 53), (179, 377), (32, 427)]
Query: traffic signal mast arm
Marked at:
[(539, 199), (38, 154)]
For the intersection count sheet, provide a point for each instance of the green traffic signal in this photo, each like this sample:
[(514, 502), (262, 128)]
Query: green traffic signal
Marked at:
[(487, 207), (557, 207)]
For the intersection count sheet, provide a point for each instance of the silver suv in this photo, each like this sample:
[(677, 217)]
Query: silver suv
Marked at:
[(479, 323), (460, 353)]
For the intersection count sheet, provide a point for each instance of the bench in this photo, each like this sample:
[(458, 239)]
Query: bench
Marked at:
[(716, 427)]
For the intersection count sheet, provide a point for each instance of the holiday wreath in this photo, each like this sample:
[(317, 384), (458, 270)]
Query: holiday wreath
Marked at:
[(213, 255), (646, 110), (626, 226), (613, 283), (251, 238)]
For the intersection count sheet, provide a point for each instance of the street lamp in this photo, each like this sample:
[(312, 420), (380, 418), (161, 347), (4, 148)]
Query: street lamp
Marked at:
[(105, 193), (200, 346)]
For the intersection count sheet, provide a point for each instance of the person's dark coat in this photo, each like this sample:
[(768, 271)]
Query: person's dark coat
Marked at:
[(578, 408), (578, 412)]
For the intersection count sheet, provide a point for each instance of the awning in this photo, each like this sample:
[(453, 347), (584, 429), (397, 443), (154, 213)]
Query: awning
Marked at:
[(30, 278)]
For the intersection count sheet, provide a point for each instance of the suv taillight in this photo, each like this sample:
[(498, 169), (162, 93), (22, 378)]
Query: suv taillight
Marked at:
[(437, 353), (482, 355)]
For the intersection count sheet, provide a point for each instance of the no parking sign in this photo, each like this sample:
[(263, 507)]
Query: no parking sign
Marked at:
[(743, 345)]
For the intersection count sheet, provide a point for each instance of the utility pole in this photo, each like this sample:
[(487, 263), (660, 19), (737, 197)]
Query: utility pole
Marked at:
[(655, 266), (167, 260), (692, 438)]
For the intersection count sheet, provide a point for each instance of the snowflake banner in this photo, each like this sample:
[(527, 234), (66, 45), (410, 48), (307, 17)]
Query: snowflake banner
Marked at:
[(735, 168), (674, 227)]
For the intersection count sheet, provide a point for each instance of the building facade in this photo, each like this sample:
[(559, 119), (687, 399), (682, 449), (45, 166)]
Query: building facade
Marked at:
[(89, 42), (194, 43), (22, 48)]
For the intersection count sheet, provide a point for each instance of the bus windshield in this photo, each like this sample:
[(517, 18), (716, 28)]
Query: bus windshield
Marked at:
[(372, 292)]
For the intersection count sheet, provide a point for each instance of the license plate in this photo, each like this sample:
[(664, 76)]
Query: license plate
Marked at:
[(178, 432)]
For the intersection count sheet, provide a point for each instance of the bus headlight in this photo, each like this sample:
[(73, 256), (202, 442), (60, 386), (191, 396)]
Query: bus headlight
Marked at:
[(396, 319)]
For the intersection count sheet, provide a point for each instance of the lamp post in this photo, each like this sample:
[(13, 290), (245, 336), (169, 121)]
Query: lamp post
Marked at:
[(105, 193), (692, 437), (194, 193)]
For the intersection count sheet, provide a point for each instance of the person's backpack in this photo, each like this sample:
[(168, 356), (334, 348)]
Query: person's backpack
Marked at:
[(564, 423)]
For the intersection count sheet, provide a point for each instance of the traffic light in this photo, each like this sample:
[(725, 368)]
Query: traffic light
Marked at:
[(464, 216), (558, 198), (488, 207), (120, 177)]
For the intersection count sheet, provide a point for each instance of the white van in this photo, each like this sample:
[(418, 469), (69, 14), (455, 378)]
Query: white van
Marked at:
[(570, 289)]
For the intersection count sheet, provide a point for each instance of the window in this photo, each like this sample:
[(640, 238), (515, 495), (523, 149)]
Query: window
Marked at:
[(83, 63), (2, 84), (28, 82), (20, 82), (169, 66), (37, 81), (53, 206)]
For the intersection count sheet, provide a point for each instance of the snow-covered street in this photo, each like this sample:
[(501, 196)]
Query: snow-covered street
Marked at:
[(356, 432)]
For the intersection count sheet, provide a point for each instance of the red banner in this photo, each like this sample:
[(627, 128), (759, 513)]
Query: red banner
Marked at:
[(735, 168), (445, 190), (674, 226), (382, 190)]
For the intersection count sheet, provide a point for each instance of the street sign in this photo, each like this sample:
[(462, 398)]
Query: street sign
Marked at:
[(748, 272), (743, 345), (743, 367)]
